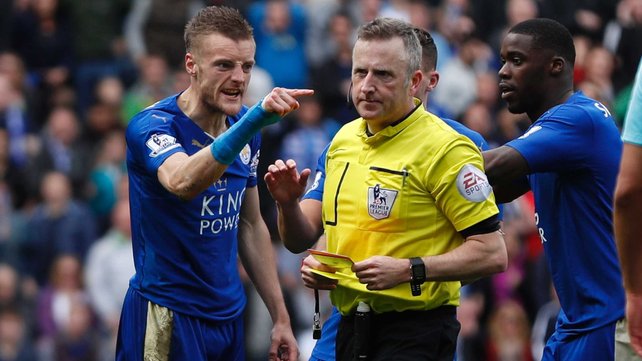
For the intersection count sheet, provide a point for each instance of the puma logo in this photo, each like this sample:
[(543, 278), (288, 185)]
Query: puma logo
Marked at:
[(197, 143)]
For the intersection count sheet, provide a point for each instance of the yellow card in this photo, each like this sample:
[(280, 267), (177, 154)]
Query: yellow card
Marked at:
[(331, 259)]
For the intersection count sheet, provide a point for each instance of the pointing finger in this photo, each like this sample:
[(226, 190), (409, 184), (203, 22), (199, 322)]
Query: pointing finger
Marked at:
[(299, 92)]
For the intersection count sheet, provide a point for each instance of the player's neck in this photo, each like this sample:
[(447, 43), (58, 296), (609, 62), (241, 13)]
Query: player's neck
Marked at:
[(213, 123), (555, 99)]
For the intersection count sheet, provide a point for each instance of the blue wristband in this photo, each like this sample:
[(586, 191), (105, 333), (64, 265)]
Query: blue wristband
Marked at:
[(229, 144)]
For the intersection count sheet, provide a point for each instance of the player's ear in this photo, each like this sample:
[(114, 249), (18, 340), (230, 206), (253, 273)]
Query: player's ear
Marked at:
[(557, 65), (433, 80), (190, 64)]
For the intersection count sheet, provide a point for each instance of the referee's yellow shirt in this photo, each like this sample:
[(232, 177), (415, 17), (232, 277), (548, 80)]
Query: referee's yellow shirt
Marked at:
[(403, 192)]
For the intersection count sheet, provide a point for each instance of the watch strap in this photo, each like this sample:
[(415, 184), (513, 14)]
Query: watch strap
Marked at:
[(417, 275)]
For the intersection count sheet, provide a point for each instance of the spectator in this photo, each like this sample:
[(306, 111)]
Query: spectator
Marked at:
[(152, 85), (15, 121), (515, 11), (331, 79), (15, 344), (42, 38), (99, 48), (319, 39), (17, 144), (12, 66), (59, 225), (109, 90), (104, 179), (61, 151), (156, 27), (623, 37), (470, 343), (279, 30), (58, 296), (477, 117), (108, 269), (598, 70), (509, 334), (458, 88), (12, 227), (102, 119)]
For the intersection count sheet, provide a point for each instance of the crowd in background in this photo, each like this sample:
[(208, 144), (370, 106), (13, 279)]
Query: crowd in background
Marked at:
[(73, 72)]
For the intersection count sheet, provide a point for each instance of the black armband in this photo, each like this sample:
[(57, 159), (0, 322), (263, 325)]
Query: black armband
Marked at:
[(488, 225)]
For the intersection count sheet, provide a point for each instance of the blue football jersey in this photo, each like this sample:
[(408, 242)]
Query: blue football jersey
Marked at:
[(573, 151), (185, 251)]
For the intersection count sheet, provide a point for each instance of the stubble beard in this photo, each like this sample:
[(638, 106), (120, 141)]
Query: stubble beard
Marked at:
[(215, 106)]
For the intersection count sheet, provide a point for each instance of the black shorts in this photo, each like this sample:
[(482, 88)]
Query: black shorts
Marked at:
[(409, 335)]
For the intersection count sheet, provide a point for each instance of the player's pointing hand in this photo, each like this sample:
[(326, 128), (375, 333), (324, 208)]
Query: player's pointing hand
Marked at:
[(282, 100)]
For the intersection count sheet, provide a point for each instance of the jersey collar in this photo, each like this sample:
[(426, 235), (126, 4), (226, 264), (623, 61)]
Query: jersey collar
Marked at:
[(394, 128)]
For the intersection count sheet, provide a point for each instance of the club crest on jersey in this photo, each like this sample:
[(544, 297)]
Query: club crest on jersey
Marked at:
[(380, 201), (160, 143), (473, 184), (245, 154)]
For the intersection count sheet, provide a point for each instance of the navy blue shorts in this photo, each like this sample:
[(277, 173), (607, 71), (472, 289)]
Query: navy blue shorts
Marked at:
[(149, 331), (596, 345)]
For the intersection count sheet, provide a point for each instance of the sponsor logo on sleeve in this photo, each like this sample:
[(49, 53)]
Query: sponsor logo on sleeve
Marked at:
[(473, 184), (161, 143), (380, 201)]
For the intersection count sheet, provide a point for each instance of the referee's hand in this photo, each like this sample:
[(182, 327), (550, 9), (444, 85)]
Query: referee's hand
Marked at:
[(312, 280)]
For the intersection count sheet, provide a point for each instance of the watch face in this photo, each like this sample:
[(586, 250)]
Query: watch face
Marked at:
[(418, 270), (418, 273)]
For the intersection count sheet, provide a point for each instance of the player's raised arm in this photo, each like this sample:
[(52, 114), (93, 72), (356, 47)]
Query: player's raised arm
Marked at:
[(186, 176)]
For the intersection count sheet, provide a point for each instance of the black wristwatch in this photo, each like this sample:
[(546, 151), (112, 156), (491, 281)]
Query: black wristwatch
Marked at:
[(417, 275)]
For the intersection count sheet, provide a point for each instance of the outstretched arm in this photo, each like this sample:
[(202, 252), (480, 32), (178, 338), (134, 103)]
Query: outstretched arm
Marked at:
[(186, 176), (257, 256), (506, 170), (628, 233), (299, 222)]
